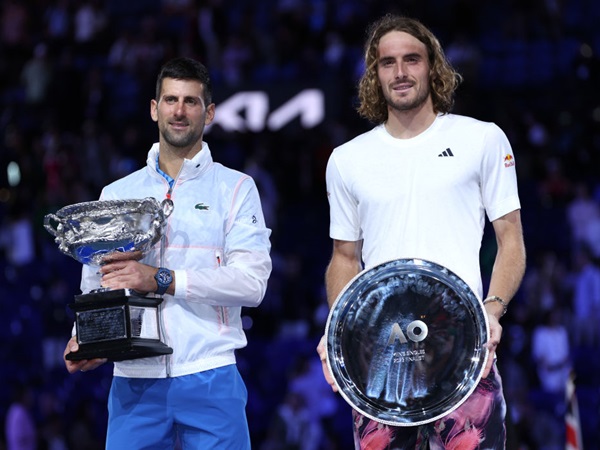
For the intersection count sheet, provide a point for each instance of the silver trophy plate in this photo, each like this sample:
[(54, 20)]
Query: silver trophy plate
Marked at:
[(405, 342), (89, 231)]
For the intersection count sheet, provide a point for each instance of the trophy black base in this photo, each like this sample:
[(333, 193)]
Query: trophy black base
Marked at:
[(120, 351), (117, 325)]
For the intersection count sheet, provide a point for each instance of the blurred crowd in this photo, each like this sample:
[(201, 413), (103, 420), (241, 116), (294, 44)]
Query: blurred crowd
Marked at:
[(76, 78)]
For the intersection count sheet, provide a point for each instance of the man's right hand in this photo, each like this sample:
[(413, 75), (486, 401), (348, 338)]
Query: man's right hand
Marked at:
[(322, 351), (85, 364)]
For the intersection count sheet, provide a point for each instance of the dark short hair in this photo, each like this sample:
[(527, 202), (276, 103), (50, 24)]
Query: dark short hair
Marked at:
[(443, 78), (185, 69)]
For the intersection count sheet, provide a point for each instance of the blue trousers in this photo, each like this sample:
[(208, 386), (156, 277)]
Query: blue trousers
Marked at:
[(202, 411)]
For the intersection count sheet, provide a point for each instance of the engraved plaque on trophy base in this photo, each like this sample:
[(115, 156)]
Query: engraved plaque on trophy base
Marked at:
[(117, 325)]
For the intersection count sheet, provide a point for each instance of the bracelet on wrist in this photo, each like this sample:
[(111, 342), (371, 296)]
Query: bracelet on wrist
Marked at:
[(495, 298)]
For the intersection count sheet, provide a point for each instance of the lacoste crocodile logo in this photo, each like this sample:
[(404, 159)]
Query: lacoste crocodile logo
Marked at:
[(202, 207)]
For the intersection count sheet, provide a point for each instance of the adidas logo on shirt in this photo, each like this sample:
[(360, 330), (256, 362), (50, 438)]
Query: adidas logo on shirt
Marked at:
[(446, 152)]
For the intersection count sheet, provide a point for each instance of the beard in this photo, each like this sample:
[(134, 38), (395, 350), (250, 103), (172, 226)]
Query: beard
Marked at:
[(403, 105), (180, 140)]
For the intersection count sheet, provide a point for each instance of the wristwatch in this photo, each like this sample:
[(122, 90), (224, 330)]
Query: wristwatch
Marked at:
[(163, 279)]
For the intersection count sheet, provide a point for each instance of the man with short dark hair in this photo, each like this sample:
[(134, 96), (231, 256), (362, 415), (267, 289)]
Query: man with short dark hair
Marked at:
[(216, 261)]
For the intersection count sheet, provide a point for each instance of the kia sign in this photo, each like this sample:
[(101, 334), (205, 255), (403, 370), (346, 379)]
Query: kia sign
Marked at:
[(254, 111)]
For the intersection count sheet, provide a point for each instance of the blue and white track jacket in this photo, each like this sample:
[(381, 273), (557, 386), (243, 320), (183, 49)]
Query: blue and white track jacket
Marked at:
[(218, 246)]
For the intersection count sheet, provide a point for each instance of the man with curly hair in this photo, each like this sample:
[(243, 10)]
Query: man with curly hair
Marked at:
[(419, 185)]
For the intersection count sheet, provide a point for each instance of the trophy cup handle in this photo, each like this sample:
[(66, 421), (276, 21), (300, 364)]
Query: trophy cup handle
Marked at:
[(49, 221), (159, 223), (167, 207)]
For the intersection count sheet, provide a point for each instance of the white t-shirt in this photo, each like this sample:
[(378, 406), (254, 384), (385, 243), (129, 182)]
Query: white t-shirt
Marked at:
[(424, 197)]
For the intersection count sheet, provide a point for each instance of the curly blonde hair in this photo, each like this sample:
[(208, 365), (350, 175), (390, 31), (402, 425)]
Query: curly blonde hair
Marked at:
[(443, 78)]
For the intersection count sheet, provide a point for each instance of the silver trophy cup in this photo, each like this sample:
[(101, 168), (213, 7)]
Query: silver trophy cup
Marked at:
[(113, 324), (405, 342)]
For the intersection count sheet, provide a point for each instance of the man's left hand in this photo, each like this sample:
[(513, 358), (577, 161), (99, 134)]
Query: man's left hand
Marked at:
[(492, 343), (123, 271)]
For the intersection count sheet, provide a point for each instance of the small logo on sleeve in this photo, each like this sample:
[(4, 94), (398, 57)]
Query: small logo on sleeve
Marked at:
[(509, 160)]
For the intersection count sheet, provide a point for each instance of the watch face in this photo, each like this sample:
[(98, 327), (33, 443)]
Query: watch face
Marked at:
[(163, 277)]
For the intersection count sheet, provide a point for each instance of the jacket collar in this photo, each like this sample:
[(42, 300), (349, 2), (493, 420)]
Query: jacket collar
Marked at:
[(192, 168)]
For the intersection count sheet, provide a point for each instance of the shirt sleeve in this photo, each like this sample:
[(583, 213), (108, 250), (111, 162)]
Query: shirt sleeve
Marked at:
[(344, 223), (499, 177)]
